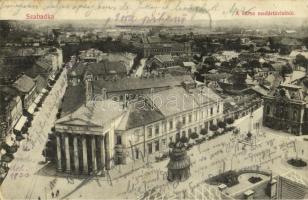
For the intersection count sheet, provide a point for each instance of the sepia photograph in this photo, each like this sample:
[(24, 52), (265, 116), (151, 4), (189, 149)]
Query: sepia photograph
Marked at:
[(153, 99)]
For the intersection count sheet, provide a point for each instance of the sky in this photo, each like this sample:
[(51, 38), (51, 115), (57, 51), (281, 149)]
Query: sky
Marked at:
[(143, 11)]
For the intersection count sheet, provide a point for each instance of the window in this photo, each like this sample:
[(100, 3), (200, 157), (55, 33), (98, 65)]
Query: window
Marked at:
[(218, 108), (189, 132), (150, 148), (196, 115), (137, 153), (156, 129), (157, 145), (189, 118), (206, 125), (163, 141), (119, 139), (211, 111), (165, 126), (268, 109), (170, 125), (170, 139), (183, 133), (137, 135), (183, 120), (294, 115), (195, 129), (150, 131)]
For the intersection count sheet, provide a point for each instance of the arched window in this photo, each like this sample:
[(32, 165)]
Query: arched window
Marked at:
[(268, 109), (294, 115)]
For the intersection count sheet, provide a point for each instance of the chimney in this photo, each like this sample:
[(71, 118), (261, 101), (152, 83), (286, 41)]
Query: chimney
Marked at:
[(89, 88)]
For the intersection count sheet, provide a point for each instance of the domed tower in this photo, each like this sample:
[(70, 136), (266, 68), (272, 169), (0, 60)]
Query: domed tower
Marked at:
[(179, 164)]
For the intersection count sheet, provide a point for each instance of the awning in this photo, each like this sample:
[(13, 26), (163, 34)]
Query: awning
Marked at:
[(21, 122), (38, 98), (32, 107), (44, 91)]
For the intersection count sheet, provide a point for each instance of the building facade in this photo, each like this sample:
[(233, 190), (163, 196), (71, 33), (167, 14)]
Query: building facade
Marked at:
[(85, 138), (183, 113), (90, 139), (286, 109)]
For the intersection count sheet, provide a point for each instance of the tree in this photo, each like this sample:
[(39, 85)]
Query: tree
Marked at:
[(286, 69), (301, 60), (230, 120), (194, 135), (222, 124), (249, 134), (184, 139), (213, 127), (236, 131), (4, 29), (203, 131), (49, 151)]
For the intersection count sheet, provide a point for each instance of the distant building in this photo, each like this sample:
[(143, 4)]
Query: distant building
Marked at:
[(11, 110), (156, 46), (91, 55), (134, 87), (27, 90), (286, 108), (160, 61)]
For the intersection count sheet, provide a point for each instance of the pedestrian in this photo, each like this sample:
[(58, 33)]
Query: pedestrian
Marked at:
[(52, 195), (57, 193), (39, 198)]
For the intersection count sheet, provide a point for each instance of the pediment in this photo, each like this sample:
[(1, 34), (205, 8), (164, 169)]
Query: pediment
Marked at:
[(77, 122)]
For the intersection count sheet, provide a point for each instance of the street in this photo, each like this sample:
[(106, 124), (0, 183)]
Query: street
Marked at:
[(28, 159)]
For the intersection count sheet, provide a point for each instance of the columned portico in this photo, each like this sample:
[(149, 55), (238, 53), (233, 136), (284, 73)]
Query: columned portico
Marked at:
[(59, 156), (85, 169), (76, 156), (102, 153), (82, 153), (93, 153), (67, 154)]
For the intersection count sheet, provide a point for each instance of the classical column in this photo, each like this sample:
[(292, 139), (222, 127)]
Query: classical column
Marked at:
[(102, 152), (59, 157), (67, 154), (84, 154), (93, 152), (108, 162), (76, 156)]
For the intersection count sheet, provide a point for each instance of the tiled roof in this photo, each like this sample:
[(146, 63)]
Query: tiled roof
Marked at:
[(139, 114), (73, 98), (24, 84), (97, 113), (101, 68), (172, 101), (7, 94), (127, 84), (164, 58)]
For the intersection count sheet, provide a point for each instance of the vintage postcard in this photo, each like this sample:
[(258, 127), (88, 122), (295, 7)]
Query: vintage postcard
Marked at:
[(153, 99)]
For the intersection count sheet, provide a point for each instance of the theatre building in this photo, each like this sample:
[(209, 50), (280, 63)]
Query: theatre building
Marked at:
[(286, 109), (85, 138)]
